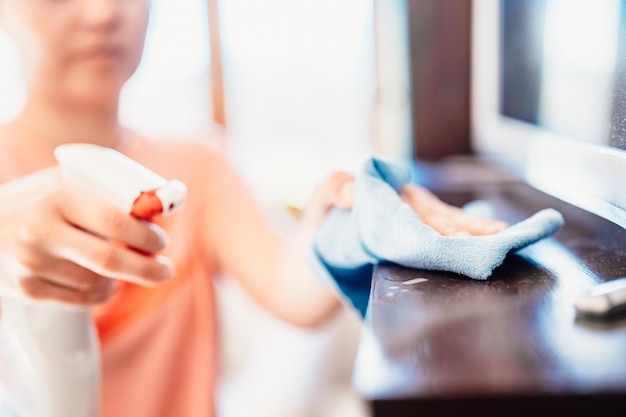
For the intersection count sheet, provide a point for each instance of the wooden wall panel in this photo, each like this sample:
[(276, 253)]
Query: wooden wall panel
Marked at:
[(440, 32)]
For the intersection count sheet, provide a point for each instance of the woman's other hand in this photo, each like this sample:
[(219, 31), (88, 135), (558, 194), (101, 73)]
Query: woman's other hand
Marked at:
[(338, 190), (444, 218), (59, 244)]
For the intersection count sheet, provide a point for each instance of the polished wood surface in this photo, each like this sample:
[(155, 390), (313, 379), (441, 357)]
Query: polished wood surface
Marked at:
[(443, 343)]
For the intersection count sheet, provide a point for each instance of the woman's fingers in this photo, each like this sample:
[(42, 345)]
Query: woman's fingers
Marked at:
[(74, 258), (342, 194), (457, 223), (421, 200), (474, 225), (112, 260), (446, 219), (87, 232), (67, 274), (42, 289), (60, 244), (104, 219), (336, 191)]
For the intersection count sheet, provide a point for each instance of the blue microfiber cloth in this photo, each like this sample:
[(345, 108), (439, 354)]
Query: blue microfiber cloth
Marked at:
[(381, 227)]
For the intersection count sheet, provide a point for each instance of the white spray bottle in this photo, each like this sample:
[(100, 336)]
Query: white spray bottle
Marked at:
[(54, 365)]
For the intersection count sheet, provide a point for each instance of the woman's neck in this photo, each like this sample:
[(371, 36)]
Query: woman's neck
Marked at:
[(55, 123)]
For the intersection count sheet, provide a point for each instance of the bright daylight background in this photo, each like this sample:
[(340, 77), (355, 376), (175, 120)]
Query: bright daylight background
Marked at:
[(300, 93), (579, 68)]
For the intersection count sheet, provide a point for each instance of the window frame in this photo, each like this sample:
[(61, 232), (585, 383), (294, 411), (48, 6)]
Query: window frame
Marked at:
[(583, 174)]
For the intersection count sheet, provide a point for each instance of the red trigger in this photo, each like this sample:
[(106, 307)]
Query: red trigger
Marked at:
[(147, 205)]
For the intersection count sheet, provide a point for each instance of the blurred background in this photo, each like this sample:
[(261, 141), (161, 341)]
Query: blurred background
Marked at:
[(303, 88)]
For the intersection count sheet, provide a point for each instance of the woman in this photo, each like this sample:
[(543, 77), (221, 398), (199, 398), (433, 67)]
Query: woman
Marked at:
[(157, 326)]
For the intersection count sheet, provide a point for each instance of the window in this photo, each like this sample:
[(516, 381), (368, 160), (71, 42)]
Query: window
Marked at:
[(300, 88), (548, 96)]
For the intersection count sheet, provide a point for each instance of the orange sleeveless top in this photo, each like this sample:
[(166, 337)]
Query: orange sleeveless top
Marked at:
[(159, 343)]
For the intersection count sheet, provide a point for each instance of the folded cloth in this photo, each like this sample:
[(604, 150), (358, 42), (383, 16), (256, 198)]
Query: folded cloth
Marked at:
[(382, 228)]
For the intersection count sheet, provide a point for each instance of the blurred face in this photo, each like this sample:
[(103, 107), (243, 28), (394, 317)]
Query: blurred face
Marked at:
[(78, 51)]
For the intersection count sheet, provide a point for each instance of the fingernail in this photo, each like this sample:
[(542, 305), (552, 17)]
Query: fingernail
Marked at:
[(167, 272), (161, 234), (347, 193), (450, 230), (492, 228)]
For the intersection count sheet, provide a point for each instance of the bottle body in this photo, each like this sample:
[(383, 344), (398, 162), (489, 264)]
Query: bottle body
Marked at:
[(55, 359)]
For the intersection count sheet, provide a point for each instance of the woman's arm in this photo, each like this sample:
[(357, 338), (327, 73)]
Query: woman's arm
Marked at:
[(275, 269), (271, 266)]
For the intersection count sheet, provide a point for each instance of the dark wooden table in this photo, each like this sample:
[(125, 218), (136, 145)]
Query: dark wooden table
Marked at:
[(439, 344)]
